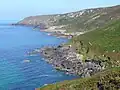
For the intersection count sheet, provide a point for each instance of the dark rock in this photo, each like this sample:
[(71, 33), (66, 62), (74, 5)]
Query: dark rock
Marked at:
[(65, 58)]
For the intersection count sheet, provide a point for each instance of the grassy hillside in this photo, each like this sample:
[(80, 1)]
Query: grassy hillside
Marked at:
[(104, 41), (84, 20), (89, 19), (108, 79)]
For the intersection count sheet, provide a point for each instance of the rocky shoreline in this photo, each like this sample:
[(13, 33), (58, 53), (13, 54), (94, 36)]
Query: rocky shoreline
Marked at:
[(53, 30), (64, 58)]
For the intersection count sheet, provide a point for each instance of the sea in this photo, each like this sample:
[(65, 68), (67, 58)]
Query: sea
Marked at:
[(20, 71)]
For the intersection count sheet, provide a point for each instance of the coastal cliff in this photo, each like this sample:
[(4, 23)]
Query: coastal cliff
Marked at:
[(80, 21)]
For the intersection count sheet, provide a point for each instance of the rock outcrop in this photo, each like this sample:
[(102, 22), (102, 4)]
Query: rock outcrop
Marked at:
[(66, 59)]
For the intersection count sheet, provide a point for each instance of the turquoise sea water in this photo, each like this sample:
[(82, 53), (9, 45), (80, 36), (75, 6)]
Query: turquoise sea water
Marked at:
[(15, 73)]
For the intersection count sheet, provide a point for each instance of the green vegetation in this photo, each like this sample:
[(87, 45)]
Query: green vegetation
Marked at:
[(107, 38), (103, 43), (108, 79), (89, 19)]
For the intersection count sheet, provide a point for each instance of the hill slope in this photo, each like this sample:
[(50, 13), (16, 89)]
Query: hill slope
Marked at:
[(84, 20), (102, 41)]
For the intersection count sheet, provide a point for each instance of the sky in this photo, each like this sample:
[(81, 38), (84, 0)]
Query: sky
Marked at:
[(19, 9)]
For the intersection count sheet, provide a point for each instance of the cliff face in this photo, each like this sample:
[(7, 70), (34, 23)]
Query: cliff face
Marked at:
[(88, 19)]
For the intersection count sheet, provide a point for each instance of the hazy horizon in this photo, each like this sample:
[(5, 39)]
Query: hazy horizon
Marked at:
[(17, 10)]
